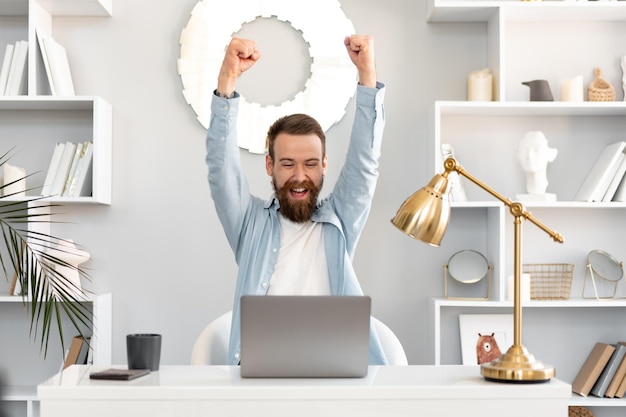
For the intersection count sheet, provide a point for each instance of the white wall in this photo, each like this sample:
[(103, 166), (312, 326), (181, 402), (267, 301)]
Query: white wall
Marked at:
[(159, 247)]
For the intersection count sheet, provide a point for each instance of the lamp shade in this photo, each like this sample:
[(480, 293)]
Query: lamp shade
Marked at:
[(425, 214)]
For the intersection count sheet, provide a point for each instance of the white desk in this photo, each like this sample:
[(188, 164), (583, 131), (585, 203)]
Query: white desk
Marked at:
[(192, 391)]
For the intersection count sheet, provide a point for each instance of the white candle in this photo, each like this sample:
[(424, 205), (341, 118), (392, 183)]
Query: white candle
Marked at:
[(572, 89), (524, 287), (479, 85), (12, 173)]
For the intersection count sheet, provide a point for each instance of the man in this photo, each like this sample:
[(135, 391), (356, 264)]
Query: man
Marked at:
[(292, 243)]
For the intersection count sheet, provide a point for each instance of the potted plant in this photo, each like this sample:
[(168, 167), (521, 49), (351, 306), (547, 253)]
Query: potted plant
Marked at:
[(35, 262)]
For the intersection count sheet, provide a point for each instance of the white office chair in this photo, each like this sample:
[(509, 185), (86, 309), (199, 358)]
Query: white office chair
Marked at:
[(211, 346)]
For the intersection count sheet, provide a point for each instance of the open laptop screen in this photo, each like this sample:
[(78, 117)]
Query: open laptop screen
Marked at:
[(305, 336)]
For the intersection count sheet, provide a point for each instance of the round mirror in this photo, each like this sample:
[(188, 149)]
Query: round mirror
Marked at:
[(605, 265), (468, 266)]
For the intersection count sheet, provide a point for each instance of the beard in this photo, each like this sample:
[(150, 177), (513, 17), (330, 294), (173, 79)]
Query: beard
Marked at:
[(298, 211)]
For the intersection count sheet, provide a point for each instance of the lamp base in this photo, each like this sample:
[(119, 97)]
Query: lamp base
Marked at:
[(517, 365)]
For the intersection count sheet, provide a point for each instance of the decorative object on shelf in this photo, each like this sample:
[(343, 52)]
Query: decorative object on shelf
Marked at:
[(480, 85), (71, 256), (579, 411), (457, 192), (467, 267), (534, 154), (483, 336), (601, 175), (539, 90), (605, 273), (13, 181), (549, 281), (332, 74), (600, 89), (39, 275), (425, 216), (572, 89)]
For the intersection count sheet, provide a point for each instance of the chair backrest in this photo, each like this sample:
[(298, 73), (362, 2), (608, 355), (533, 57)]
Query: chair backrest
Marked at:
[(391, 344), (211, 346)]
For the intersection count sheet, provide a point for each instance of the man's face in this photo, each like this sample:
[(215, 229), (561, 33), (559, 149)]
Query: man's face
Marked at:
[(297, 172)]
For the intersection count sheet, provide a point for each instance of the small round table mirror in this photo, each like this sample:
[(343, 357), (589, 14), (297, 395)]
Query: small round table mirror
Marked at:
[(605, 265), (468, 266)]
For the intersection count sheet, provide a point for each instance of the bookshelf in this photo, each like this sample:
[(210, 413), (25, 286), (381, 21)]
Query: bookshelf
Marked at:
[(554, 41), (32, 123)]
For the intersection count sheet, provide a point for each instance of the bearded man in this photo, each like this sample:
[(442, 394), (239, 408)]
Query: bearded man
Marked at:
[(292, 243)]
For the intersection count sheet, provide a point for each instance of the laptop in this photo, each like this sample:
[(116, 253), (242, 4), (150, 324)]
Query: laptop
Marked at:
[(305, 336)]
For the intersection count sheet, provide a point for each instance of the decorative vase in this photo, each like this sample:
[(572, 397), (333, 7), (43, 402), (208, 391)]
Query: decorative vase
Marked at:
[(539, 90)]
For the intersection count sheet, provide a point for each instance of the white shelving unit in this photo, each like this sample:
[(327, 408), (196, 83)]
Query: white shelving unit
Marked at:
[(32, 124), (551, 40)]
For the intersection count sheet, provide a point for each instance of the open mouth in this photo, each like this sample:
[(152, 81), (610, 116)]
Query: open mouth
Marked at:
[(298, 193)]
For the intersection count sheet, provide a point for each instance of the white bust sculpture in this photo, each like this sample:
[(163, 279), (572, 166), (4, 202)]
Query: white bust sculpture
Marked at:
[(534, 154)]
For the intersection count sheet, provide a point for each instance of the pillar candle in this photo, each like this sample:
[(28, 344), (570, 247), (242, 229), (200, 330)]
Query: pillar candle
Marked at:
[(524, 287), (12, 173), (479, 85), (572, 89)]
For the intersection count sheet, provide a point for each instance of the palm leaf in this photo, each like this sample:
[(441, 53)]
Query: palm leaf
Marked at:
[(35, 259)]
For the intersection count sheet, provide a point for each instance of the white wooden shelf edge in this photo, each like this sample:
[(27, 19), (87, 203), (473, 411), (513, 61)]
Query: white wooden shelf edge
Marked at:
[(26, 102), (571, 303), (482, 11), (530, 108), (59, 7)]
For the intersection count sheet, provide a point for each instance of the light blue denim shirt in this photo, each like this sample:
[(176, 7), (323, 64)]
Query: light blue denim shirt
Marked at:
[(252, 224)]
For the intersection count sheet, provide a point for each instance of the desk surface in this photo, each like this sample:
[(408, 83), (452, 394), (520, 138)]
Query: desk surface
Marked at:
[(393, 390)]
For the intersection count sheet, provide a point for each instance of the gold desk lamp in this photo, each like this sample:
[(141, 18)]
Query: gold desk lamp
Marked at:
[(424, 216)]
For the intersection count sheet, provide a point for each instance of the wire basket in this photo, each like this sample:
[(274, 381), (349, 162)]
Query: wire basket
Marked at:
[(549, 281)]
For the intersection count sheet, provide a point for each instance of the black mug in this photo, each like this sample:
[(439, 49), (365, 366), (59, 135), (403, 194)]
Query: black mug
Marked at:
[(144, 351)]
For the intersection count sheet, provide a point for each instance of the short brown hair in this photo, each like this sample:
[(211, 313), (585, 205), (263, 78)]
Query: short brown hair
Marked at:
[(295, 124)]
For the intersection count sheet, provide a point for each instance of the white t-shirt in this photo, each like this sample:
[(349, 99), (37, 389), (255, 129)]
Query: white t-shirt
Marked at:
[(301, 268)]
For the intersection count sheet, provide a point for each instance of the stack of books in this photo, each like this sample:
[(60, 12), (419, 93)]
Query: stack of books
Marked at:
[(603, 373), (605, 182), (70, 170), (13, 70)]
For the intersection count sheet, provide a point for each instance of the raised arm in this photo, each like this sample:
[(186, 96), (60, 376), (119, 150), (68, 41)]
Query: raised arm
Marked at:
[(240, 56), (361, 51)]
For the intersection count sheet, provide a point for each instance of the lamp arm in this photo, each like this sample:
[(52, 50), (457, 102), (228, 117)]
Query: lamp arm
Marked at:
[(516, 208)]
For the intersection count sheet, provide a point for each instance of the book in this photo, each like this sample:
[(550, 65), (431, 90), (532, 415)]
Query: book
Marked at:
[(52, 168), (74, 352), (80, 183), (616, 180), (119, 374), (59, 67), (621, 389), (70, 174), (601, 385), (6, 66), (84, 351), (63, 169), (592, 368), (17, 72), (46, 63), (620, 193), (597, 181), (617, 378)]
